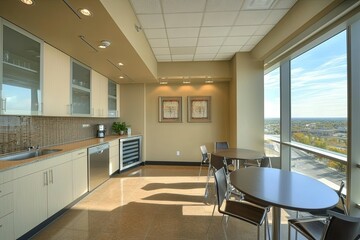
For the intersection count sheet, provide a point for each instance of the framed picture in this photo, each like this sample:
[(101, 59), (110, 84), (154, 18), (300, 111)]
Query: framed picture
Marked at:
[(170, 109), (199, 109)]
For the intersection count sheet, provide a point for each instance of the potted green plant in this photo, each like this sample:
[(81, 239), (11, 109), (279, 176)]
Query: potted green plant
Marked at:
[(119, 127)]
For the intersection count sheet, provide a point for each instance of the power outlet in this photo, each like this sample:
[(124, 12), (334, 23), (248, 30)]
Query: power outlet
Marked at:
[(177, 153)]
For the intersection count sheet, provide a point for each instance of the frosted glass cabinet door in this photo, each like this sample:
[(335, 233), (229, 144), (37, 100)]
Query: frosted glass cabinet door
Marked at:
[(81, 89), (21, 67), (112, 99)]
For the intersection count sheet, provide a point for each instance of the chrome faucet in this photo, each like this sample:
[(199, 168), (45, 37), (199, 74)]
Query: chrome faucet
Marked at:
[(33, 147)]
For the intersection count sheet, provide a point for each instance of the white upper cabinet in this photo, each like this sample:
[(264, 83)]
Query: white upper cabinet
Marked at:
[(113, 99), (56, 86), (80, 89), (99, 94), (20, 73)]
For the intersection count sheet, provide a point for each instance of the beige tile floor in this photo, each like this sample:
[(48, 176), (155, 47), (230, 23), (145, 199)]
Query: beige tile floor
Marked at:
[(152, 203)]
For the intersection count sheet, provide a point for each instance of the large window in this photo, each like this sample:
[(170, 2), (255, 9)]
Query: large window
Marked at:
[(272, 103), (319, 96)]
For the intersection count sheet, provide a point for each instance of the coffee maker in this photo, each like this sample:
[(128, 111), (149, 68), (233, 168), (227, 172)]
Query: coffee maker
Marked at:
[(100, 133)]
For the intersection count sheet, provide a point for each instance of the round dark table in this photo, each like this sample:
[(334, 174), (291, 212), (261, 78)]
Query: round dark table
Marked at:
[(239, 154), (283, 189)]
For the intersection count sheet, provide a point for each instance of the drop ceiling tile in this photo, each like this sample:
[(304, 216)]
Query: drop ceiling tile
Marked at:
[(182, 32), (203, 50), (247, 48), (252, 17), (263, 29), (275, 16), (215, 41), (254, 40), (243, 31), (155, 33), (229, 49), (224, 56), (158, 43), (234, 41), (183, 6), (257, 5), (182, 42), (149, 6), (182, 57), (214, 31), (284, 4), (219, 18), (183, 20), (161, 51), (204, 57), (182, 50), (163, 58), (223, 5), (151, 20)]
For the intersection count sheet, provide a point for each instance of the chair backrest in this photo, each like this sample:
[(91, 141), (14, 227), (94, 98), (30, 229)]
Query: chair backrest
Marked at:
[(204, 153), (221, 186), (342, 197), (342, 227), (221, 145), (217, 162), (265, 162)]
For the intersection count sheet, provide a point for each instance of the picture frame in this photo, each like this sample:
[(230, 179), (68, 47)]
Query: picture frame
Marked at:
[(170, 109), (199, 109)]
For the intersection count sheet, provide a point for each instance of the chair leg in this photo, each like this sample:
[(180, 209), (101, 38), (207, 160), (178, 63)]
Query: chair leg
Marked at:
[(200, 169), (258, 232), (289, 231)]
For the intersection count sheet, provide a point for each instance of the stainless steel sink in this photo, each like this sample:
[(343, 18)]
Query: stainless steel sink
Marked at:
[(27, 154)]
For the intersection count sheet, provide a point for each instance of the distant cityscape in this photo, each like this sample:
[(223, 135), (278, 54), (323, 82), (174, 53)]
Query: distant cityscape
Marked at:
[(325, 133)]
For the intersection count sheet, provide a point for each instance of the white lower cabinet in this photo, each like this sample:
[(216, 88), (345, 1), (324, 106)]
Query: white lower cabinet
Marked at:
[(30, 202), (114, 157), (41, 190), (6, 206), (80, 173), (60, 190), (7, 227)]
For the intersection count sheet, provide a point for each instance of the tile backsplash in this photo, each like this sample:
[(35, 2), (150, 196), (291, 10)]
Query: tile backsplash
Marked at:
[(19, 132)]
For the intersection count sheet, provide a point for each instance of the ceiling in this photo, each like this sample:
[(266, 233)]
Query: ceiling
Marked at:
[(176, 30), (206, 30)]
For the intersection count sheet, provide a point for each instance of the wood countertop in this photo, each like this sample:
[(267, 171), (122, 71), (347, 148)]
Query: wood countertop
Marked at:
[(65, 148)]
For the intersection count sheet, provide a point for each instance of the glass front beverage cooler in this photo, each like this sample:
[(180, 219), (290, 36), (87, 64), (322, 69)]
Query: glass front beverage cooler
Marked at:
[(130, 152)]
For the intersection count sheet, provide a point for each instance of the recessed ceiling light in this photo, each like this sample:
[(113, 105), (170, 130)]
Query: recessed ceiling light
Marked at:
[(186, 82), (120, 64), (163, 83), (28, 2), (121, 77), (104, 44), (85, 12), (209, 81)]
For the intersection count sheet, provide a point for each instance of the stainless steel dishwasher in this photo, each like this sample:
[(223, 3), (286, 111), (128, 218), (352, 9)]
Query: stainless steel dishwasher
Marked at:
[(98, 165)]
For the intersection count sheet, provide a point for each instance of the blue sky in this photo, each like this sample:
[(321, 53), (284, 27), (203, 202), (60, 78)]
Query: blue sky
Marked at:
[(318, 82)]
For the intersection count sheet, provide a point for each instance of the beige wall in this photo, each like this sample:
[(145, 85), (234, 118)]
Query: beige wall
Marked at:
[(164, 139), (132, 106), (249, 77)]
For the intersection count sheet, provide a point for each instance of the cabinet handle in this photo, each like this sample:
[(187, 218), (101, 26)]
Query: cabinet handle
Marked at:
[(46, 179), (81, 153), (51, 176)]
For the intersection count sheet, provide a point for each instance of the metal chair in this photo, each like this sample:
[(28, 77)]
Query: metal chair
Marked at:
[(216, 163), (242, 210), (335, 209), (264, 162), (338, 227), (205, 158), (221, 145)]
